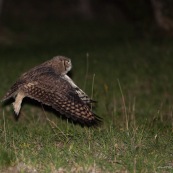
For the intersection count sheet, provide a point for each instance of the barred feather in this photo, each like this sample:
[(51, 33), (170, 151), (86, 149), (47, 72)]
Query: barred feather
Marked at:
[(51, 86)]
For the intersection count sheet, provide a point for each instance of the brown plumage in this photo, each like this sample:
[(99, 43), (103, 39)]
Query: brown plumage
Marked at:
[(49, 84)]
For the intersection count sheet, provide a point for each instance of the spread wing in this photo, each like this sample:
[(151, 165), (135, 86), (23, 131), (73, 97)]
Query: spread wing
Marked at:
[(13, 90), (52, 90), (31, 75), (84, 97)]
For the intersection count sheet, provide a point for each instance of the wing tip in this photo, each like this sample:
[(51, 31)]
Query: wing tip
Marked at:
[(10, 94), (4, 99), (84, 122), (95, 122)]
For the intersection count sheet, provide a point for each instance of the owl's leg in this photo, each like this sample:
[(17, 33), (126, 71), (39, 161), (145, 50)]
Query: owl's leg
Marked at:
[(18, 101)]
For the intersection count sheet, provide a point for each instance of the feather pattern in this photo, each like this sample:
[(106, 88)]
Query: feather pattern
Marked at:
[(49, 84)]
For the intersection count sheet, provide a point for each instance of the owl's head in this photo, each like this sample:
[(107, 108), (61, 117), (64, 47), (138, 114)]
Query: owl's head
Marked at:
[(61, 64)]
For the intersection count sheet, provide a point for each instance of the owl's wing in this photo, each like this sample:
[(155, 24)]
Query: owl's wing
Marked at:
[(54, 91), (84, 97), (31, 75), (13, 90)]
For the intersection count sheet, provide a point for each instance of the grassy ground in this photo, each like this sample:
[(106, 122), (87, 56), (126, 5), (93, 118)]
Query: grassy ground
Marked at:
[(128, 74)]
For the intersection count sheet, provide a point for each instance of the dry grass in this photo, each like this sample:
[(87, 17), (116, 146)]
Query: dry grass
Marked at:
[(132, 81)]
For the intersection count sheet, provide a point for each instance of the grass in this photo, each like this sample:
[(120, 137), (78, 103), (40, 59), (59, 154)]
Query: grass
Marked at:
[(129, 75)]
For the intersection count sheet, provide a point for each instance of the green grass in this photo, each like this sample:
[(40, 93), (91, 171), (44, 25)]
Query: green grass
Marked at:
[(133, 83)]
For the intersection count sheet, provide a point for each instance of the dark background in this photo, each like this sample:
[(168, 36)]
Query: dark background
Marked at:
[(145, 16)]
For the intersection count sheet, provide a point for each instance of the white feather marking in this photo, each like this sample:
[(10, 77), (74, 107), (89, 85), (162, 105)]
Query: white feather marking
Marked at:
[(80, 93), (18, 101)]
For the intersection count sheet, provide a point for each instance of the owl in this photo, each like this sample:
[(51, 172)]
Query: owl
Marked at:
[(49, 84)]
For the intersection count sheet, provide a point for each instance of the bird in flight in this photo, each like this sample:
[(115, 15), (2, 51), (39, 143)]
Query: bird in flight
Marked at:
[(49, 84)]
